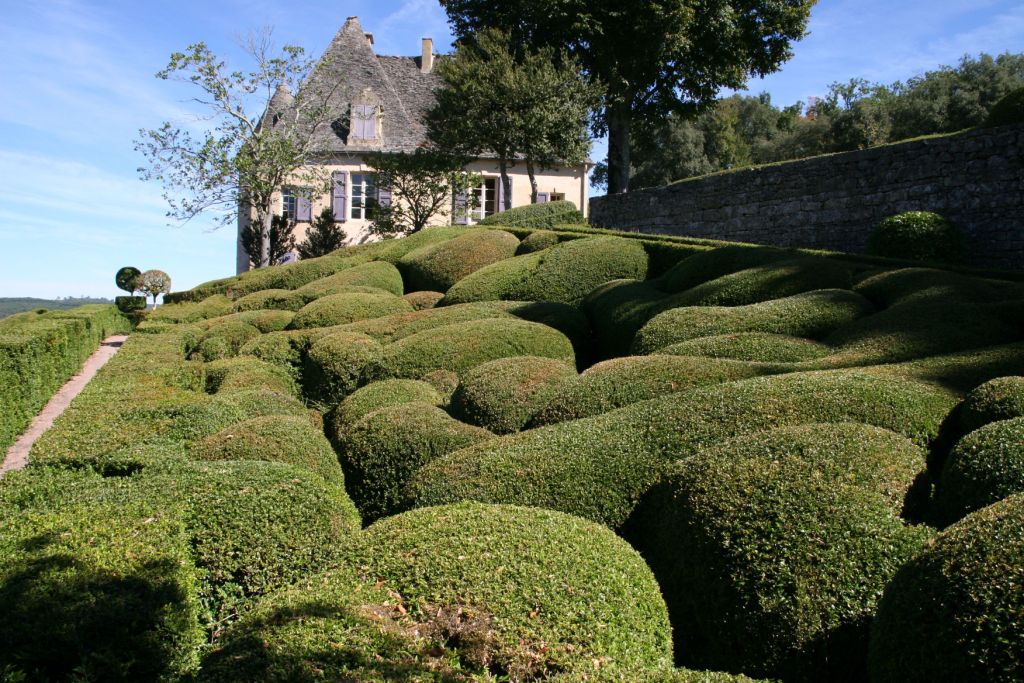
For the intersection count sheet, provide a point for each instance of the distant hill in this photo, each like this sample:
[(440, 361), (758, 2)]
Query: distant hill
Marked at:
[(12, 305)]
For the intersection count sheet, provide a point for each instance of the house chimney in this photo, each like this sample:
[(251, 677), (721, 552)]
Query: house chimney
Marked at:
[(427, 63), (369, 38)]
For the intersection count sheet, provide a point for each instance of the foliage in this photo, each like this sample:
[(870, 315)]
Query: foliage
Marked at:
[(423, 185), (322, 236), (421, 301), (222, 341), (277, 299), (339, 309), (906, 285), (917, 235), (437, 267), (999, 399), (154, 283), (538, 240), (246, 373), (241, 162), (715, 263), (953, 613), (546, 215), (759, 347), (379, 274), (377, 396), (282, 241), (127, 279), (337, 364), (1008, 110), (130, 304)]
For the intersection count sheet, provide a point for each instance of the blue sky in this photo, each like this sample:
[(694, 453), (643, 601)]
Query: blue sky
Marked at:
[(78, 82)]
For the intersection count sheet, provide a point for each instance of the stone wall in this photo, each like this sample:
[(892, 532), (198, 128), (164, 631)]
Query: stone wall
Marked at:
[(975, 178)]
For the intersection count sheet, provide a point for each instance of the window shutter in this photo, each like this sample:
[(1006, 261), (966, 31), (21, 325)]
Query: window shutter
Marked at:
[(460, 213), (303, 209), (339, 195), (543, 197), (384, 196)]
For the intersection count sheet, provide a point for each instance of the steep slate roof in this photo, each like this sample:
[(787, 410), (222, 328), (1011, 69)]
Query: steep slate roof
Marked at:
[(348, 67)]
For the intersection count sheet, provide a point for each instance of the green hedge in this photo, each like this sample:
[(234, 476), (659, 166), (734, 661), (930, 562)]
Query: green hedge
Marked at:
[(543, 591), (222, 340), (1008, 110), (986, 466), (917, 236), (538, 240), (384, 449), (774, 280), (341, 309), (378, 395), (812, 314), (377, 274), (564, 273), (546, 215), (772, 550), (503, 395), (437, 267), (337, 364), (758, 347), (999, 399), (421, 301), (245, 373), (892, 287), (954, 613), (189, 312), (617, 310), (463, 346), (41, 351), (279, 299), (715, 263)]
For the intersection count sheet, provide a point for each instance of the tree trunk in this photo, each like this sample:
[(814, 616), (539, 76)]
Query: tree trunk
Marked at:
[(533, 181), (506, 186), (619, 117), (265, 224)]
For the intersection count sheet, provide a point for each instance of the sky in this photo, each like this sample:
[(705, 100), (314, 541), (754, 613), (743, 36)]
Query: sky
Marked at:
[(78, 79)]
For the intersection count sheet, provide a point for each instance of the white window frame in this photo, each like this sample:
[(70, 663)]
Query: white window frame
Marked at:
[(289, 203), (480, 194), (362, 190)]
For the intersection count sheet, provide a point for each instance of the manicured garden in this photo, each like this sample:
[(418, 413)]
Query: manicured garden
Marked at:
[(533, 451)]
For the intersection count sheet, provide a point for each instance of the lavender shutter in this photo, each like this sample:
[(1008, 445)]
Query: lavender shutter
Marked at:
[(339, 195), (460, 213), (384, 196), (543, 197), (303, 209)]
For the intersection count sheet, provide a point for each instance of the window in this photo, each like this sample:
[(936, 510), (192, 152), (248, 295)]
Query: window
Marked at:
[(557, 197), (364, 121), (296, 206), (486, 196), (289, 203), (364, 196)]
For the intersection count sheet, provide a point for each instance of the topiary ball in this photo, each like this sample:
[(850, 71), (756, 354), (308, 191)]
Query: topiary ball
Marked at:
[(999, 399), (337, 364), (437, 267), (956, 611), (421, 301), (340, 309), (917, 236), (538, 240), (1008, 110), (377, 395)]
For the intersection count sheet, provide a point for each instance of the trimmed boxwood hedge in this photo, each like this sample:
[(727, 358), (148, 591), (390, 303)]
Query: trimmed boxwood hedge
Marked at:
[(244, 373), (341, 309), (917, 236), (382, 450), (337, 364), (463, 346), (423, 300), (624, 381), (999, 399), (812, 315), (598, 467), (377, 274), (210, 307), (759, 347), (439, 266), (285, 348), (504, 394), (546, 215), (710, 265), (564, 273), (223, 340), (378, 395), (772, 560), (617, 310), (954, 612), (277, 438), (296, 275), (986, 466), (526, 592), (892, 287), (272, 299), (538, 240)]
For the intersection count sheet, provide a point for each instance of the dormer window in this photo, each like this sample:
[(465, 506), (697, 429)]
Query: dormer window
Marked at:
[(366, 120)]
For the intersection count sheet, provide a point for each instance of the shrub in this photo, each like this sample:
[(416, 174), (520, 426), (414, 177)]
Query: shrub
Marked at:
[(339, 309), (294, 275), (323, 236), (959, 372), (267, 321), (280, 348), (986, 466), (378, 395), (130, 304), (439, 266), (246, 373), (281, 299), (624, 381), (379, 274), (598, 467), (546, 215), (421, 301), (565, 273), (617, 310), (922, 284), (287, 439), (954, 612), (1008, 110), (392, 250), (710, 265), (381, 451), (774, 280), (503, 395), (533, 592), (772, 560), (998, 399), (651, 676), (812, 314), (759, 347), (538, 240), (127, 279), (918, 236), (337, 364), (154, 283), (210, 307), (223, 340), (463, 346)]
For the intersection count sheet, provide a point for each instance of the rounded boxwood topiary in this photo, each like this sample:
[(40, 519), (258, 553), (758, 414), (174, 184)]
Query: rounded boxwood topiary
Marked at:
[(279, 299), (244, 373), (954, 613), (377, 274), (1008, 110), (772, 560), (223, 340), (812, 314), (538, 240), (918, 236), (544, 215), (998, 399), (463, 346), (439, 266), (340, 309), (278, 438), (421, 301), (267, 321), (337, 364), (279, 348), (986, 466), (130, 304), (526, 592), (617, 309), (709, 265), (378, 395), (894, 287), (381, 451), (759, 347), (504, 394)]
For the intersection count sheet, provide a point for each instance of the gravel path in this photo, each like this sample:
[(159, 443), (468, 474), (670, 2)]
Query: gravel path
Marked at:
[(17, 455)]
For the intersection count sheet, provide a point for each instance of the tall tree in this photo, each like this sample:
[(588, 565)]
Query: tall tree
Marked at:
[(323, 236), (651, 58), (259, 135), (282, 241), (522, 105)]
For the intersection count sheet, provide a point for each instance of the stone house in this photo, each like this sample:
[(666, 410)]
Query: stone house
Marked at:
[(380, 102)]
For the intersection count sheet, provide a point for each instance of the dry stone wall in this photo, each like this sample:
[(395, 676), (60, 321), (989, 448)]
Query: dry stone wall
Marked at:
[(975, 178)]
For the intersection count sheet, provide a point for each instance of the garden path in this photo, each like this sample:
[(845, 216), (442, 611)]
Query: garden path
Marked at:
[(17, 455)]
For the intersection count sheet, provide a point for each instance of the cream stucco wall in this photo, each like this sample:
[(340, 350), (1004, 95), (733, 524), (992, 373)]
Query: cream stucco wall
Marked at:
[(570, 182)]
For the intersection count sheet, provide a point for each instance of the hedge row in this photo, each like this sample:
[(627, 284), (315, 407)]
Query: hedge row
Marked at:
[(41, 351)]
